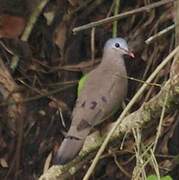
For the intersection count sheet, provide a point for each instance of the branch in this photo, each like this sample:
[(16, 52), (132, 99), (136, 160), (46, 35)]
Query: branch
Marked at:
[(149, 111), (120, 16), (128, 107), (176, 22)]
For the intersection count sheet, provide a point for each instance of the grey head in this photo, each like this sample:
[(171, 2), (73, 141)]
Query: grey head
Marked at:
[(118, 46)]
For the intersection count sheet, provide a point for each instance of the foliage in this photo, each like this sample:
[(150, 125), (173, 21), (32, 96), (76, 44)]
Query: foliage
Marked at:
[(154, 177)]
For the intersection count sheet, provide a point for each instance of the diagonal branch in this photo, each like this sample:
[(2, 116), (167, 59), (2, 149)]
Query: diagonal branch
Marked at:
[(120, 16), (123, 114), (149, 111)]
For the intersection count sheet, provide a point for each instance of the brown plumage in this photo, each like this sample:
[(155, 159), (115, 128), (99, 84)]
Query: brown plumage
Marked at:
[(104, 90)]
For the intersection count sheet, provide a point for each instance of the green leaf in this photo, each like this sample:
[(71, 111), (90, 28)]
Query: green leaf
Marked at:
[(81, 83), (154, 177)]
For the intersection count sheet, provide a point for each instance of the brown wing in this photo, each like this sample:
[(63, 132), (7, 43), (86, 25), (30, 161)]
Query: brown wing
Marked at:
[(98, 99)]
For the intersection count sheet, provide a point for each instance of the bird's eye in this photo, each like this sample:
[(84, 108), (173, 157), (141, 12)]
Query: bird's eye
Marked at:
[(117, 45)]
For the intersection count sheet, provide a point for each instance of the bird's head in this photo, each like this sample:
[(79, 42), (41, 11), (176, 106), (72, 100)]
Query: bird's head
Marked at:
[(119, 46)]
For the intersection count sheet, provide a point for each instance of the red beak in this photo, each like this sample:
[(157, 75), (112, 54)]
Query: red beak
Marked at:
[(131, 54)]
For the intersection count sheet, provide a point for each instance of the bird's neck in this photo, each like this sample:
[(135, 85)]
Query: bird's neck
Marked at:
[(115, 62)]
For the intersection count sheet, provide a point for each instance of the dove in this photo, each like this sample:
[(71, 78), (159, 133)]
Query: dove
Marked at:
[(104, 89)]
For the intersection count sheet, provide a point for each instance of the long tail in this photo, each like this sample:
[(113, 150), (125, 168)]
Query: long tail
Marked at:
[(72, 144), (69, 148)]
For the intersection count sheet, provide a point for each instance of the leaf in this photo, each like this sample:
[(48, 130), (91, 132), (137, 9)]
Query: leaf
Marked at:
[(11, 26), (154, 177), (3, 163), (81, 83)]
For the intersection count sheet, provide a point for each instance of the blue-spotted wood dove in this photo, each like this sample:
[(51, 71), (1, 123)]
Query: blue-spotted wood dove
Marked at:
[(104, 90)]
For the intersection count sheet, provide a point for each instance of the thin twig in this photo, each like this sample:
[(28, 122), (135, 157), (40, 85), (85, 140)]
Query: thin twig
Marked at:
[(45, 94), (141, 81), (93, 46), (6, 48), (155, 164), (120, 16), (33, 18), (177, 22), (160, 122), (130, 104), (139, 169), (160, 33), (116, 11)]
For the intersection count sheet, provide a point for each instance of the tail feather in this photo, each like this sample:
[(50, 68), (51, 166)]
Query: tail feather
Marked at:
[(69, 148)]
